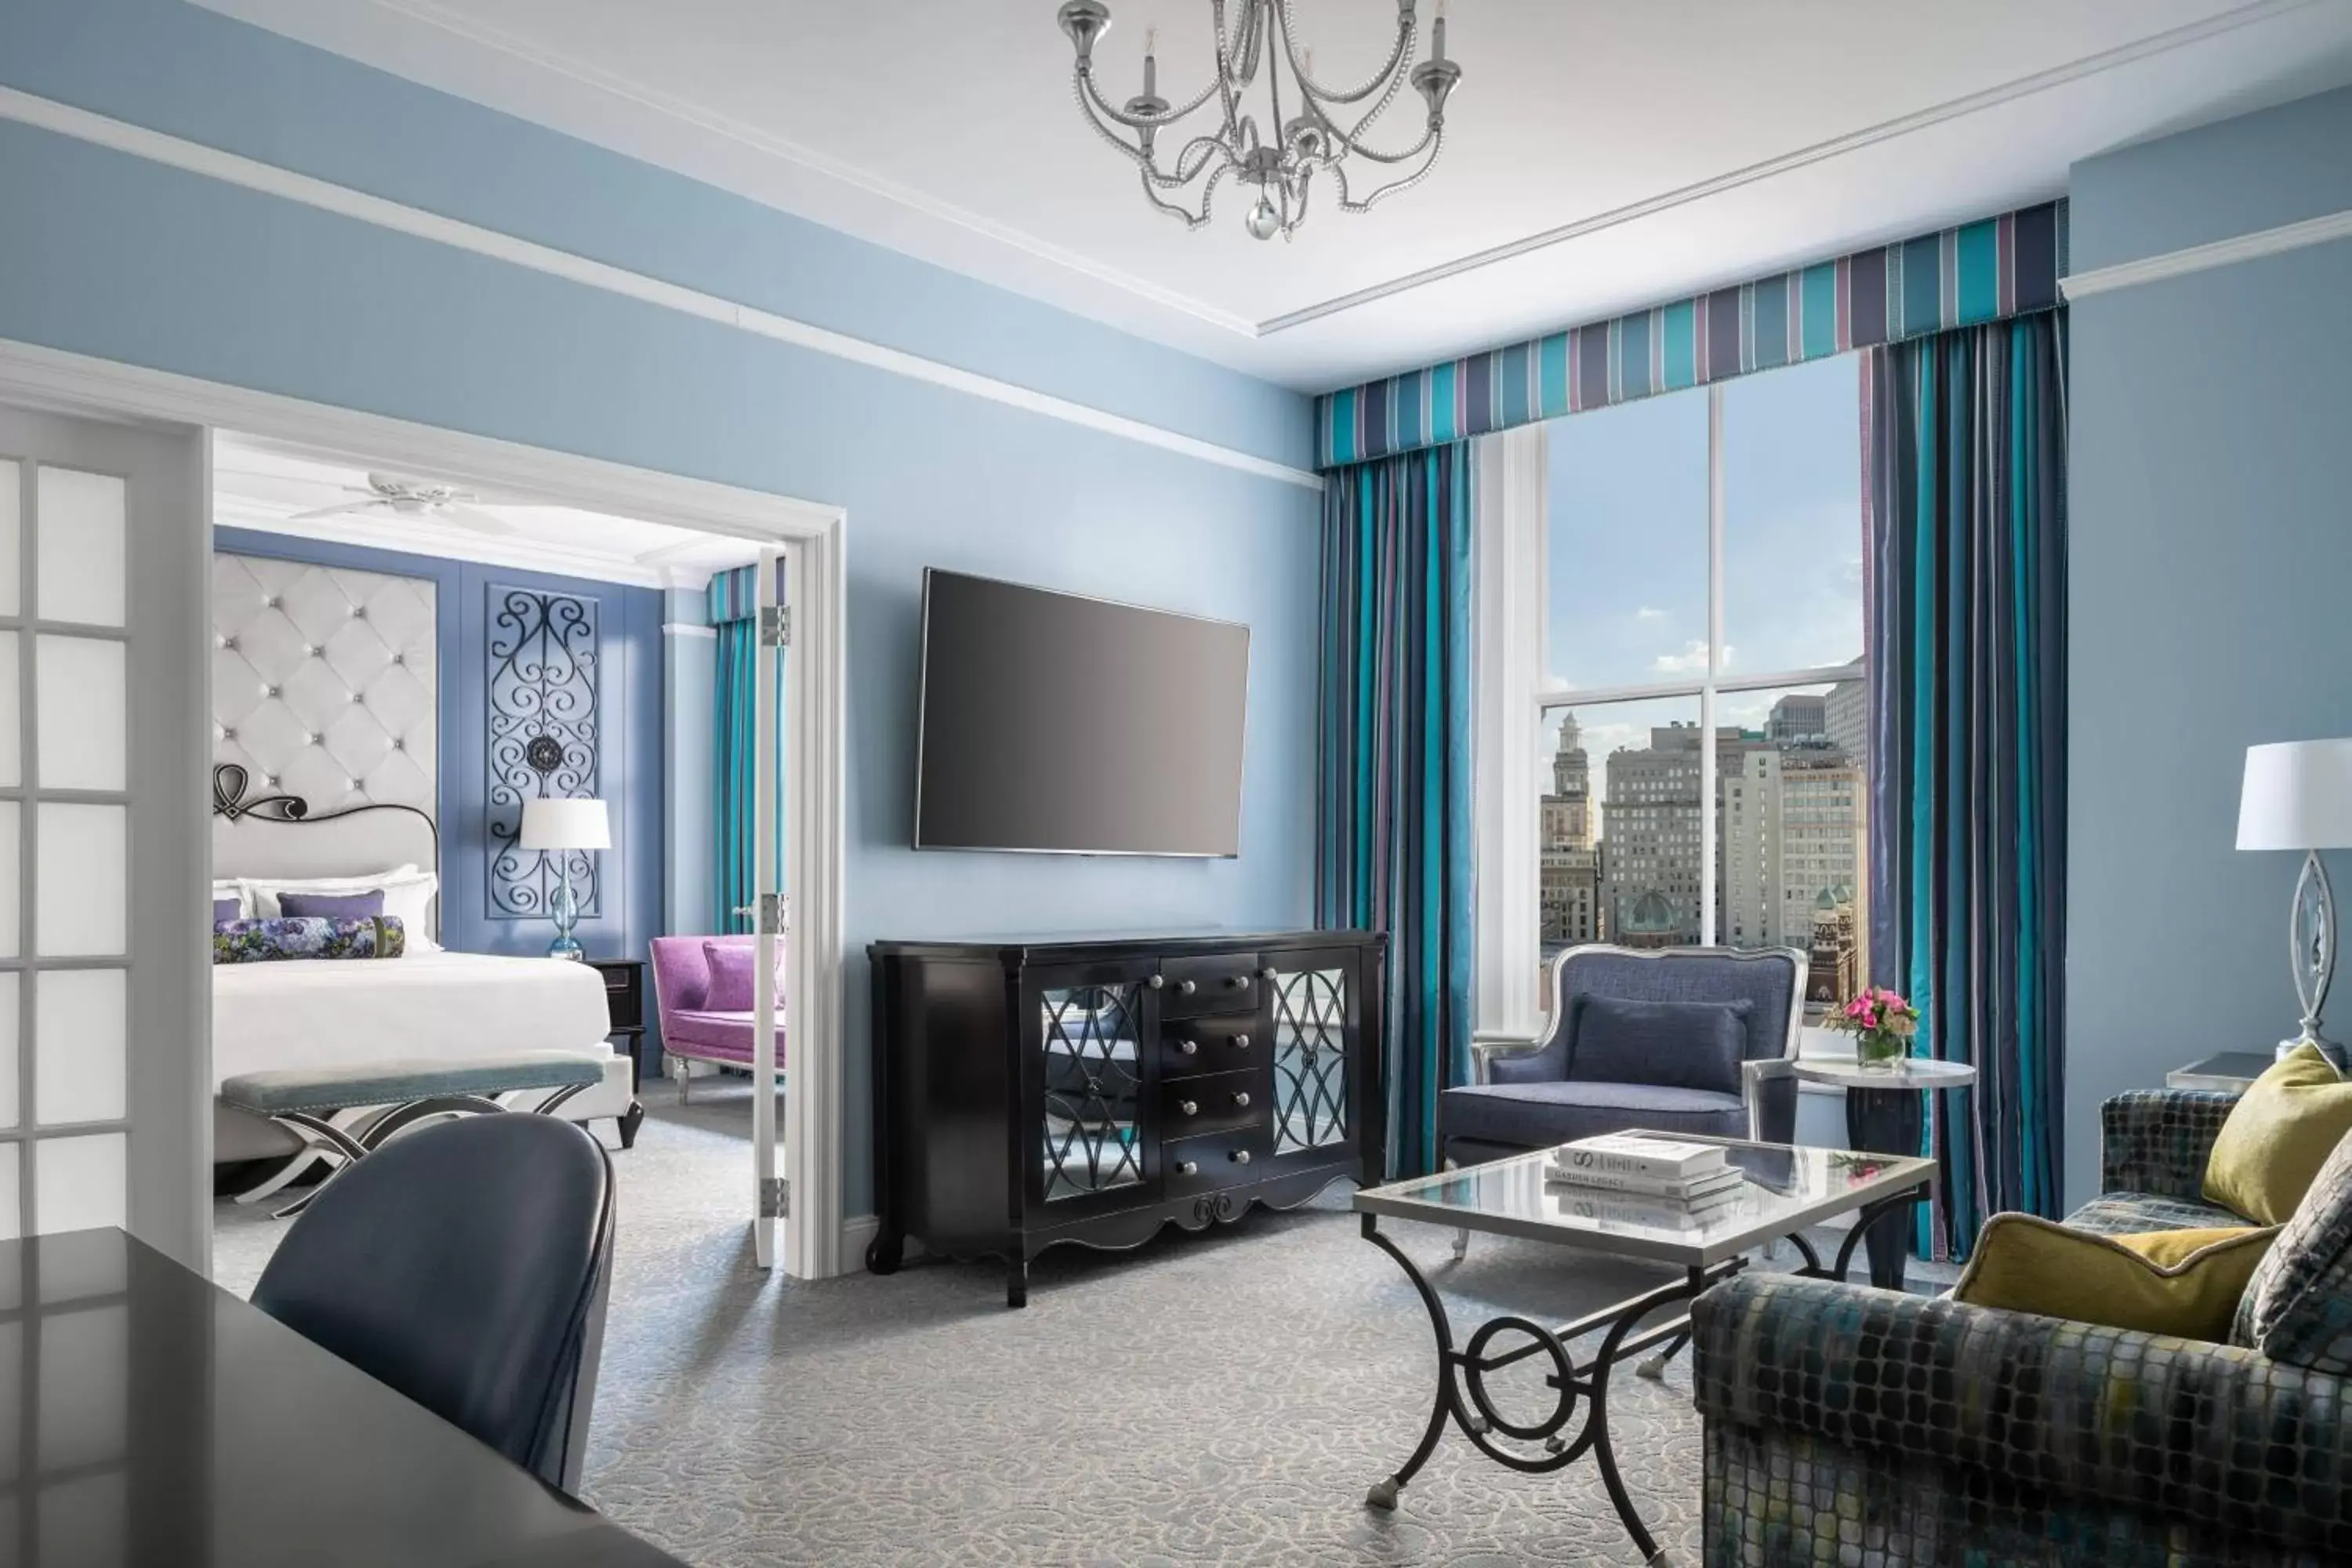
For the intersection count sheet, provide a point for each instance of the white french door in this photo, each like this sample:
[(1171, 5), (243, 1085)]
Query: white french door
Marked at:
[(105, 1101)]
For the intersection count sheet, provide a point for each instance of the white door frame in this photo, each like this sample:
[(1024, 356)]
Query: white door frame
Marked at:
[(815, 846)]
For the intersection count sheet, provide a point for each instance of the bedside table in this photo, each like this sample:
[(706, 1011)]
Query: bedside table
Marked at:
[(625, 1000)]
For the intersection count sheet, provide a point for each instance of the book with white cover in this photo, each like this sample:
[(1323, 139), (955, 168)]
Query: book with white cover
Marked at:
[(1614, 1182), (1638, 1154), (1649, 1213)]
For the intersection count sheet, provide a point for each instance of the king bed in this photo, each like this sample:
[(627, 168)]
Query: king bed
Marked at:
[(426, 1004)]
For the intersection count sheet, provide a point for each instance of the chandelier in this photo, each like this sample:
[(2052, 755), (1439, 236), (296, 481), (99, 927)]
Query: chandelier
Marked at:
[(1313, 127)]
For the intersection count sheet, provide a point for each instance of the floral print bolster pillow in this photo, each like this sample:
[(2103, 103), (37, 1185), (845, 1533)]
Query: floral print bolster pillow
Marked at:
[(308, 936)]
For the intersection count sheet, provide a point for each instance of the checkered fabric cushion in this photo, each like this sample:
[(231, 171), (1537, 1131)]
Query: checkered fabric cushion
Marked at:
[(2130, 1213), (2156, 1141), (1839, 1417), (2298, 1308)]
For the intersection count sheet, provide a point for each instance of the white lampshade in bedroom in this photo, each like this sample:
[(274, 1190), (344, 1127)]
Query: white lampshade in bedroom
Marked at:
[(565, 825), (2297, 795)]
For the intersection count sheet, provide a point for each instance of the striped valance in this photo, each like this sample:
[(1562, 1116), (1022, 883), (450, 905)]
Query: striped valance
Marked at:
[(734, 596), (1983, 271)]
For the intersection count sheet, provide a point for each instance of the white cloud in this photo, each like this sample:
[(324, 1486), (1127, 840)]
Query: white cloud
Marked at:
[(1649, 613), (1692, 661)]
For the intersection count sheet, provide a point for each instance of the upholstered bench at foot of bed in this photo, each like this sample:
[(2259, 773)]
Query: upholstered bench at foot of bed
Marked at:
[(304, 1101)]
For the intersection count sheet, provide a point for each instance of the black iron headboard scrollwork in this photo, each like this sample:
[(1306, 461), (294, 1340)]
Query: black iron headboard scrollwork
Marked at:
[(232, 804)]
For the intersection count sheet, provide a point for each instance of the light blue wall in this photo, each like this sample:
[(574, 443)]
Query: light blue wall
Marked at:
[(2211, 547), (132, 261)]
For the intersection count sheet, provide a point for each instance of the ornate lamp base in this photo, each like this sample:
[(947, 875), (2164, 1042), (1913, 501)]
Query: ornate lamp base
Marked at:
[(2311, 951), (566, 910)]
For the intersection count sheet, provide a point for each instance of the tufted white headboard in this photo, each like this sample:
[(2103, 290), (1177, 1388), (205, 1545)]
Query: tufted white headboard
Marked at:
[(325, 682)]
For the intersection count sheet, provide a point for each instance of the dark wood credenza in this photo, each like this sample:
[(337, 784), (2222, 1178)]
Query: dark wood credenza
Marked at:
[(1092, 1089)]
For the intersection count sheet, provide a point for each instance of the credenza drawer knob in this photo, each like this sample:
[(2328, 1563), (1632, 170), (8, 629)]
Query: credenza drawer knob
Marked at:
[(1188, 1167), (1156, 981), (1186, 987), (1241, 1156), (1241, 1042), (1241, 1099), (1188, 1107), (1268, 972), (1188, 1048), (1237, 982)]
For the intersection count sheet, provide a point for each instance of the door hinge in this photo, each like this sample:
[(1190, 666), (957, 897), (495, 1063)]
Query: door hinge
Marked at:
[(775, 1198), (772, 915), (776, 627)]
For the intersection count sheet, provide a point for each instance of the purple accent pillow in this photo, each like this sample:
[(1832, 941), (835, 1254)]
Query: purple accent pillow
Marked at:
[(223, 911), (331, 906), (730, 976)]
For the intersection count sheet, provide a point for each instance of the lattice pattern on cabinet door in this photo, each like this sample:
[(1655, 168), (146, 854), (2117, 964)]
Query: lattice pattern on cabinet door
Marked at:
[(1094, 1085), (1311, 1059)]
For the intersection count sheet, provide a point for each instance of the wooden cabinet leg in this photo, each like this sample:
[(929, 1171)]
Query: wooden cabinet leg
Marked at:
[(1016, 1283)]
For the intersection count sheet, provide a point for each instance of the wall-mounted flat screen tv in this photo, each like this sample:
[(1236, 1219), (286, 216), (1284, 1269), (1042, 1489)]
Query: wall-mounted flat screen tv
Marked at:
[(1060, 725)]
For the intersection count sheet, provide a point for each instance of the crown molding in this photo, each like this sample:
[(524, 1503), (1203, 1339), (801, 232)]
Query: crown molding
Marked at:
[(232, 168), (468, 31), (443, 542), (2195, 258)]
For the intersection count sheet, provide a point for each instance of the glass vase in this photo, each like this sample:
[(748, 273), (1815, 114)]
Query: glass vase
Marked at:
[(1880, 1050)]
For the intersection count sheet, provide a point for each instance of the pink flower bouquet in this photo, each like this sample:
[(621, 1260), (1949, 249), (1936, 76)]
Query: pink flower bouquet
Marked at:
[(1882, 1023)]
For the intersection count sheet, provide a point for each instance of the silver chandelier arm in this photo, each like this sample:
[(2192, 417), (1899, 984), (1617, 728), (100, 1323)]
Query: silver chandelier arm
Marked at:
[(1437, 140), (1320, 94), (1093, 94), (1186, 167)]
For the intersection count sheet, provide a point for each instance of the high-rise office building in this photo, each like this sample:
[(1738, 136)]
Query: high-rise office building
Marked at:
[(1798, 717), (1847, 716)]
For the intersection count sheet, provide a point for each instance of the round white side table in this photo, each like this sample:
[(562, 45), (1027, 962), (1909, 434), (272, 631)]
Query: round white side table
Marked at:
[(1885, 1112)]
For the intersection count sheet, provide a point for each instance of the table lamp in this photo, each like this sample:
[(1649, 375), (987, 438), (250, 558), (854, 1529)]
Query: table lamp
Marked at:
[(2298, 795), (564, 825)]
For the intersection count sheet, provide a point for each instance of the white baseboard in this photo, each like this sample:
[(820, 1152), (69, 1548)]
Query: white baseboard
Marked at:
[(857, 1231)]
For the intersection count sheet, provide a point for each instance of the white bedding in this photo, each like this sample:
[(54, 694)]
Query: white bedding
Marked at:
[(320, 1013)]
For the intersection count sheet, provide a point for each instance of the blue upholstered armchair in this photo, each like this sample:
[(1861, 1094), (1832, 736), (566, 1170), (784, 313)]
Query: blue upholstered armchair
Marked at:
[(1684, 1039)]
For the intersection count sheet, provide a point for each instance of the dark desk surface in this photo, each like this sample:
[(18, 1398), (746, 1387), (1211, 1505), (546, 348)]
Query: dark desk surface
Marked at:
[(148, 1418)]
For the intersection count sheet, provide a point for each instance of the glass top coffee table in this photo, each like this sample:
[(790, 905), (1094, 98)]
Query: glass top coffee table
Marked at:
[(1787, 1189)]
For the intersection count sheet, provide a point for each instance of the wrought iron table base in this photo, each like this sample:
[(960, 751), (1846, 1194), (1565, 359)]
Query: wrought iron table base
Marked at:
[(1462, 1373)]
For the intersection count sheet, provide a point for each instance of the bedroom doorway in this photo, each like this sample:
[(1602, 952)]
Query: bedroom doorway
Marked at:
[(530, 726)]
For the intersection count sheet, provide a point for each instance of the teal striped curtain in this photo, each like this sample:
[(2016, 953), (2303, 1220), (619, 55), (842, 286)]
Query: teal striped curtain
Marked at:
[(1965, 451), (733, 604), (1393, 846)]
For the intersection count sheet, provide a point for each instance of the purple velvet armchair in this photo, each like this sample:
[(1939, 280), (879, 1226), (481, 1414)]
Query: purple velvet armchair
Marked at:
[(690, 1029)]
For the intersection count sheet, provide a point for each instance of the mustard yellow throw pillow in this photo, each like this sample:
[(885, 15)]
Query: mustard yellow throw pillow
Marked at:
[(2180, 1282), (2277, 1136)]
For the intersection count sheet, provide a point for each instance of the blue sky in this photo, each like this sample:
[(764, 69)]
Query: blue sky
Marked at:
[(1627, 498)]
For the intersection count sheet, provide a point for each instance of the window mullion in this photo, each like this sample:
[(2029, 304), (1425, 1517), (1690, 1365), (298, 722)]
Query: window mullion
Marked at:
[(1708, 785)]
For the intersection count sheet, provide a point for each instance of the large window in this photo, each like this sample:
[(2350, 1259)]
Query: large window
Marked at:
[(1703, 714)]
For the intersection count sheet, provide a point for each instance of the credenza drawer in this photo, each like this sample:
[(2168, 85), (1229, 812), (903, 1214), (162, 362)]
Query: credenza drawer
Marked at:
[(1223, 983), (1225, 1159), (1191, 1046), (1190, 1106)]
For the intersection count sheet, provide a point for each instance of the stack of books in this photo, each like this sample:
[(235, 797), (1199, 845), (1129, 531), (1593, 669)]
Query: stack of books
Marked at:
[(1691, 1177)]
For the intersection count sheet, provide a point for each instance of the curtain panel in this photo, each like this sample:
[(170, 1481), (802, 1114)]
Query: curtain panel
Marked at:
[(732, 600), (1393, 847), (1989, 270), (1965, 452)]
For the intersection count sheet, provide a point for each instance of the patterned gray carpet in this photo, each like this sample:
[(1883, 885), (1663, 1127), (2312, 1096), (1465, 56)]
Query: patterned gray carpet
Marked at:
[(1217, 1399)]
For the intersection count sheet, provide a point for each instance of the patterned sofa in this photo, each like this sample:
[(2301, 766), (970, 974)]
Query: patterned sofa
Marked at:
[(1851, 1426), (690, 1031)]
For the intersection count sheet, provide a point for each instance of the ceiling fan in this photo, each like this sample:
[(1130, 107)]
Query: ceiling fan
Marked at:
[(413, 498)]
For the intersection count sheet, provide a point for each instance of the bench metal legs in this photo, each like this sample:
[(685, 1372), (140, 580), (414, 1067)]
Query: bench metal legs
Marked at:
[(343, 1138)]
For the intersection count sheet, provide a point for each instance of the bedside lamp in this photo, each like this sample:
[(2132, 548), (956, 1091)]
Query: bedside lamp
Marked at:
[(564, 825), (2298, 795)]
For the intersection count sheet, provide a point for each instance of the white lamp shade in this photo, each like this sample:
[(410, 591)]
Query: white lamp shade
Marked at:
[(565, 825), (2297, 795)]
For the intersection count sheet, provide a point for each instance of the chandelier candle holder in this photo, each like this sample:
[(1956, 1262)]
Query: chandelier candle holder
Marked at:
[(1315, 128)]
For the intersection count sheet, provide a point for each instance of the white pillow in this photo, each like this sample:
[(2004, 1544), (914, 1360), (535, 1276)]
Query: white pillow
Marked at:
[(408, 895)]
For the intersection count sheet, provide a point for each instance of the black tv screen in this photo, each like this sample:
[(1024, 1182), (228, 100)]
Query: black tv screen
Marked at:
[(1061, 724)]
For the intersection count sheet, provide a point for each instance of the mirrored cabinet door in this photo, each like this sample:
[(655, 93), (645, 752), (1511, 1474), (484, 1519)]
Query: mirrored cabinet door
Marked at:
[(1311, 998), (1091, 1075)]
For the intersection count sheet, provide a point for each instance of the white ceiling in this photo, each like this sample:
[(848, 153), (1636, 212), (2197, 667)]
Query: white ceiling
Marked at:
[(1678, 143), (265, 486)]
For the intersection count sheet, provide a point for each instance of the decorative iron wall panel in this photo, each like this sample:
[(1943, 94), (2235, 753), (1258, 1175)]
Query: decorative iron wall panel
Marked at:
[(545, 739)]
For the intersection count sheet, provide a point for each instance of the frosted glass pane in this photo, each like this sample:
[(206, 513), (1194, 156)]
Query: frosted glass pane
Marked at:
[(12, 731), (83, 1521), (81, 1030), (81, 707), (82, 903), (12, 1368), (11, 1211), (80, 546), (12, 554), (9, 1014), (80, 1183), (12, 906)]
